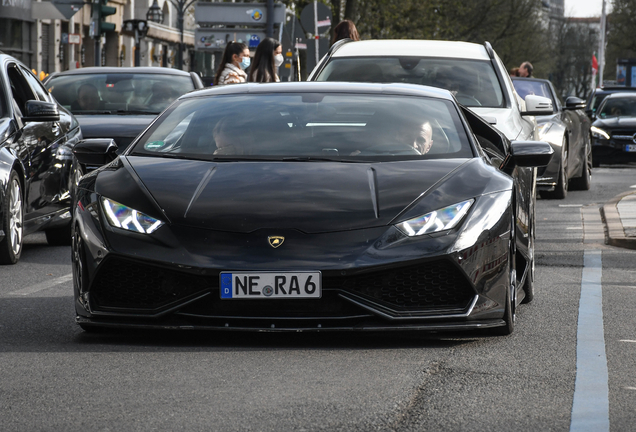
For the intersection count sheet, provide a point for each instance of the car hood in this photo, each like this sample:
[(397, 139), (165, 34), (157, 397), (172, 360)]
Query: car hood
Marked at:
[(616, 123), (310, 197), (113, 126)]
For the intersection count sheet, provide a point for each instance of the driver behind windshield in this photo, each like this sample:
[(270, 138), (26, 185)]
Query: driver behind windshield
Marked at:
[(87, 99)]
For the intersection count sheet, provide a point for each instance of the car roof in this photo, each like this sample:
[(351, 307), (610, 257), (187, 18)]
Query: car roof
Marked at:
[(412, 48), (122, 70), (618, 95), (323, 87)]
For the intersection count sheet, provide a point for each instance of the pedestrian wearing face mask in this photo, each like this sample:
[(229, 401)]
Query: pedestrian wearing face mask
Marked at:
[(236, 58), (267, 59)]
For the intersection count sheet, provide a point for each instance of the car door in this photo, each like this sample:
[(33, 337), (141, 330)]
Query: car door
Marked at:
[(37, 145)]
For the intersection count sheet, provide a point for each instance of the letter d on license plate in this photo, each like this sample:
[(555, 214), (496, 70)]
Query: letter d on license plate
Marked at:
[(266, 285)]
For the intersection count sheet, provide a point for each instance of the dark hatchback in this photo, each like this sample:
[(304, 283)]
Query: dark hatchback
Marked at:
[(614, 130), (37, 137), (118, 102), (598, 95)]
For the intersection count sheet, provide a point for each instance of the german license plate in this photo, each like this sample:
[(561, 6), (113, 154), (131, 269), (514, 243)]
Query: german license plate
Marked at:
[(267, 285), (630, 148)]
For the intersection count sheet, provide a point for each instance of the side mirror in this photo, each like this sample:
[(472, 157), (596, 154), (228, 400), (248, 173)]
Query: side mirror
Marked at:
[(574, 103), (95, 152), (40, 111), (538, 105), (531, 153)]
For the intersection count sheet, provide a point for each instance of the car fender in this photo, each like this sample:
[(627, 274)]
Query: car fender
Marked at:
[(555, 136)]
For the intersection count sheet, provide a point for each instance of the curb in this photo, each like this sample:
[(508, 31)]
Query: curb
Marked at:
[(615, 235)]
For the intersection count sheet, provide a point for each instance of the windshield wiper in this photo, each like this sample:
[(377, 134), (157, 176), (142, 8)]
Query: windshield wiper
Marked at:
[(137, 112), (321, 159)]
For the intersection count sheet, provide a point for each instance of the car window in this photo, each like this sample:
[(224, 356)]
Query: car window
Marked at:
[(596, 101), (335, 127), (119, 93), (538, 88), (618, 107), (20, 89), (36, 85), (474, 82)]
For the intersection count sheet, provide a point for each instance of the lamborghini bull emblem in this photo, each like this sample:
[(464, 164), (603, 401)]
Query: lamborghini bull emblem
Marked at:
[(275, 241)]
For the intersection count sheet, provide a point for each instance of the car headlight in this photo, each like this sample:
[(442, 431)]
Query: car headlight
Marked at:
[(599, 133), (544, 128), (435, 221), (121, 216)]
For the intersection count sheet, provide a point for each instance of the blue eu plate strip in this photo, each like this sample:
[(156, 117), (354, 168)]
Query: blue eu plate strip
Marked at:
[(226, 285)]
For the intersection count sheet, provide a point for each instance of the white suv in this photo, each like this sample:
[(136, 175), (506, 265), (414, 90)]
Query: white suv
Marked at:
[(472, 72)]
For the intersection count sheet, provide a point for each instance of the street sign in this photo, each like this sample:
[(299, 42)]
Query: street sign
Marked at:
[(217, 39), (245, 14), (74, 38)]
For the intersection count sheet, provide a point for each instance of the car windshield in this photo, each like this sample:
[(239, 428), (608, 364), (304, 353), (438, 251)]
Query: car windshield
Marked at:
[(527, 87), (118, 93), (473, 82), (308, 127), (618, 107)]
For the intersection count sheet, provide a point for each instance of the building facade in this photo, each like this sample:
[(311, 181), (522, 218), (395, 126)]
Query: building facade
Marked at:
[(47, 40)]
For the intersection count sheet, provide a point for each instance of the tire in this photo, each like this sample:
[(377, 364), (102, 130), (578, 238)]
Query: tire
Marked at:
[(59, 236), (509, 315), (511, 294), (561, 189), (12, 220), (585, 180), (528, 284)]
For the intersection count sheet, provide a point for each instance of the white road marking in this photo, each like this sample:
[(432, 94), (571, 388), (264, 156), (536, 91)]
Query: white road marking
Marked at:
[(590, 407), (42, 286), (570, 205), (574, 228), (627, 340), (629, 388), (633, 186)]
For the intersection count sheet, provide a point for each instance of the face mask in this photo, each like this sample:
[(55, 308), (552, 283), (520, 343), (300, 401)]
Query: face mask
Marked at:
[(278, 60), (245, 63)]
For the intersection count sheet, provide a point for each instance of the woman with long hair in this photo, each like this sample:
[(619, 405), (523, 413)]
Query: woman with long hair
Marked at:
[(345, 29), (267, 59), (236, 58)]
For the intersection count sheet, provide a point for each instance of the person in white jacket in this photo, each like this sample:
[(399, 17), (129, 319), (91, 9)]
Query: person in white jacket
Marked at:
[(236, 58)]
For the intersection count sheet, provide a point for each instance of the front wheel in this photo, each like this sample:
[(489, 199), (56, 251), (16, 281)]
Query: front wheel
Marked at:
[(584, 182), (528, 285), (12, 219), (511, 294)]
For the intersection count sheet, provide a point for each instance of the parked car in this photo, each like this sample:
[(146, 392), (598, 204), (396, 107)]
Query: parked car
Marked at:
[(567, 130), (307, 207), (472, 72), (599, 94), (614, 129), (119, 102), (36, 141)]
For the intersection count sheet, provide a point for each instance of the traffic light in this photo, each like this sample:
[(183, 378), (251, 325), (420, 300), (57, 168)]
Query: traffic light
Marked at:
[(99, 13)]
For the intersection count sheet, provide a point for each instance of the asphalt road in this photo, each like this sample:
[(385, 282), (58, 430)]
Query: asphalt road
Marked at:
[(55, 377)]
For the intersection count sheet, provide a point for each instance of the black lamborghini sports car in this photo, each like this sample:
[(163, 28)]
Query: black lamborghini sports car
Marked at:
[(307, 207)]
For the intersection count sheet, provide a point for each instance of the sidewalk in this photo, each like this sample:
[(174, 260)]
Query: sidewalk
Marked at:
[(620, 218)]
